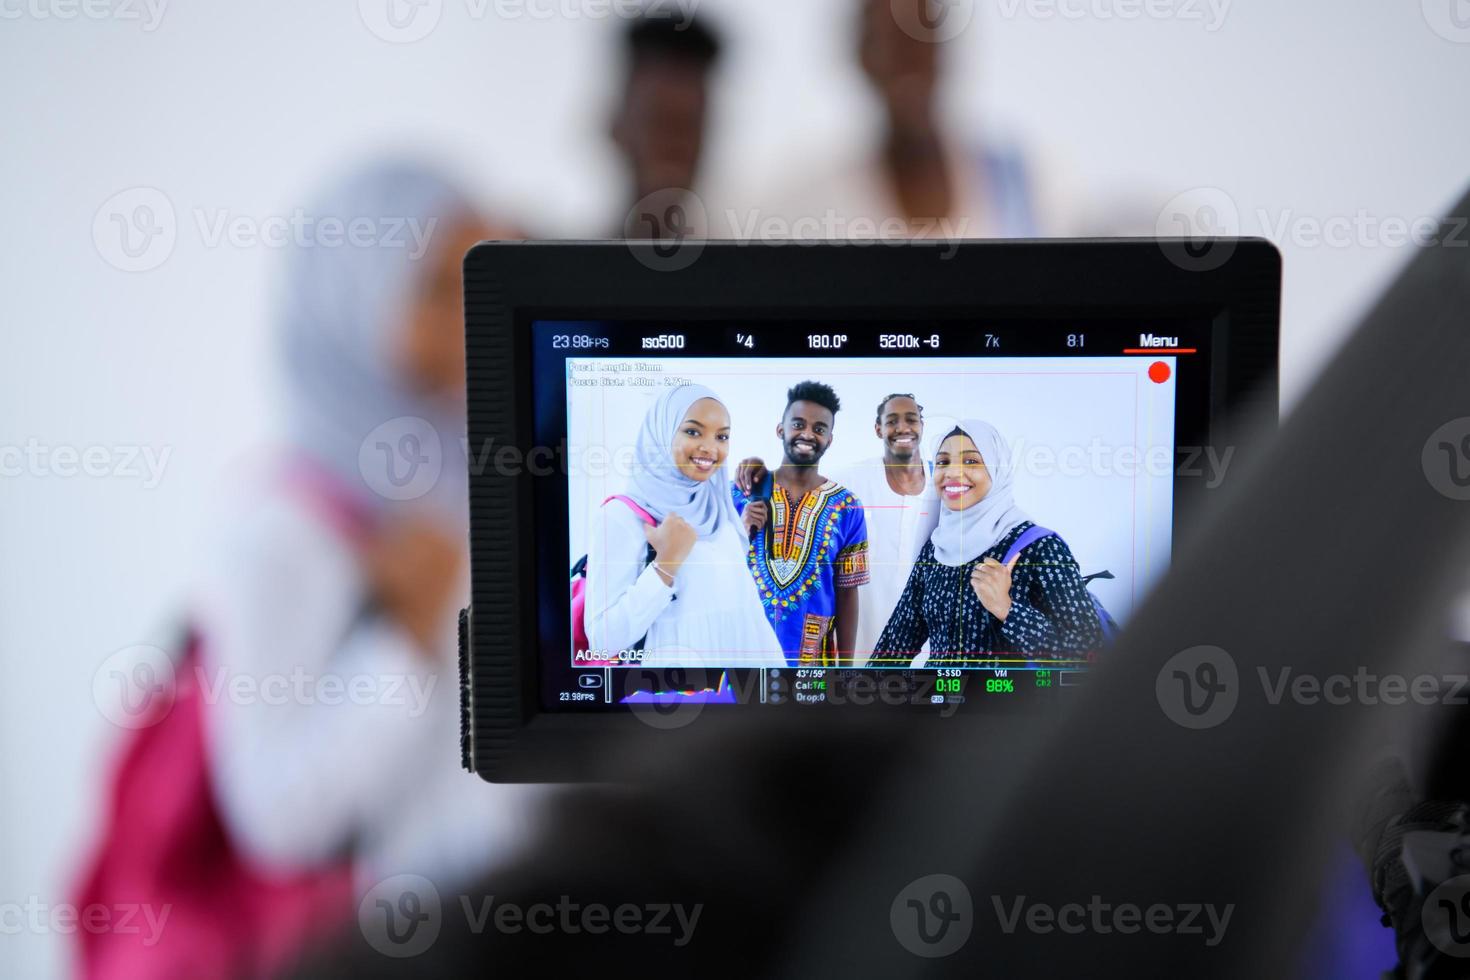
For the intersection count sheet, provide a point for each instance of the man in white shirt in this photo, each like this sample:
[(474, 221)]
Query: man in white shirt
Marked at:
[(901, 511)]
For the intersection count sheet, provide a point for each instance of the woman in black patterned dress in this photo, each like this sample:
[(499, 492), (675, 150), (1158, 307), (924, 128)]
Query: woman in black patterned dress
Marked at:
[(962, 597)]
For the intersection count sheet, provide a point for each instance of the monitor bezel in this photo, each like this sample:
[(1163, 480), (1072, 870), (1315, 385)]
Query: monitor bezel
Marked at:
[(506, 736)]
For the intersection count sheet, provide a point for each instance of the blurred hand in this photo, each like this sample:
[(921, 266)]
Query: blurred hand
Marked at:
[(413, 567), (671, 542), (757, 512), (992, 584), (750, 472)]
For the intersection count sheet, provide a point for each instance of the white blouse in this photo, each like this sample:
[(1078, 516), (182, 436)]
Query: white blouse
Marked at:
[(341, 733), (898, 528), (711, 616)]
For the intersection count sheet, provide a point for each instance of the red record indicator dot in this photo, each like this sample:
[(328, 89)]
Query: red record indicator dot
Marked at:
[(1158, 372)]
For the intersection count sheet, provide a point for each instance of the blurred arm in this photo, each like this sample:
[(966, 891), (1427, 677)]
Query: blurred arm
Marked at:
[(313, 713), (624, 596)]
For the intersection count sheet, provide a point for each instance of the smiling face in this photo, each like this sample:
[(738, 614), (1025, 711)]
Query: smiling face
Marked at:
[(806, 432), (703, 440), (960, 474), (900, 426)]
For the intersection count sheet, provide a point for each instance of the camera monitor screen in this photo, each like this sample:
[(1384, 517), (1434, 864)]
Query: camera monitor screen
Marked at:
[(944, 511)]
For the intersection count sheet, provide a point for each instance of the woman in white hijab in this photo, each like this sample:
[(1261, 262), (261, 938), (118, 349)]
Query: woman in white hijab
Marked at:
[(678, 589), (989, 581), (331, 599)]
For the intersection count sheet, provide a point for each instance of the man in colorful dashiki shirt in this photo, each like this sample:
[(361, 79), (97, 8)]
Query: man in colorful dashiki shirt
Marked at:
[(809, 542)]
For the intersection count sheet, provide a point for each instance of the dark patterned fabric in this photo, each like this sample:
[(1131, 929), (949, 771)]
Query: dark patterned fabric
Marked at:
[(1051, 617)]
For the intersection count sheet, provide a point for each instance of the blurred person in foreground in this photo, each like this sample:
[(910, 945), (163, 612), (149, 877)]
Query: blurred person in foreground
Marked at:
[(917, 178), (373, 341), (684, 863), (309, 747), (659, 123)]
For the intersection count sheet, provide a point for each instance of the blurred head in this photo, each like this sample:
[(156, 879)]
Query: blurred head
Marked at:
[(430, 353), (900, 424), (806, 425), (659, 123), (703, 440), (960, 474), (372, 326), (897, 51)]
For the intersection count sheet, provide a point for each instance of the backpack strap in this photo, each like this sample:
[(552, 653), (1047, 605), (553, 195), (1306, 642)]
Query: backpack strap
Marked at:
[(328, 497), (1028, 537), (647, 518), (633, 505)]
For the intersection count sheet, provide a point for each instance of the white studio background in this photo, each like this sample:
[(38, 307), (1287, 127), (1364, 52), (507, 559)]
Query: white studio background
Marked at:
[(1115, 513), (1298, 109)]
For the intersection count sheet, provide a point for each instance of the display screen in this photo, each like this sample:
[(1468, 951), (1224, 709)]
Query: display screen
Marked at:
[(950, 514)]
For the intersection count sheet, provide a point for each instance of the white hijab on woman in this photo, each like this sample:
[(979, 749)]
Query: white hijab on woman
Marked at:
[(964, 535), (660, 486)]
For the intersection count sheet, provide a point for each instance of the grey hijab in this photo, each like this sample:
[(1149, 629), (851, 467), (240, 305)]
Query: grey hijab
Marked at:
[(964, 535)]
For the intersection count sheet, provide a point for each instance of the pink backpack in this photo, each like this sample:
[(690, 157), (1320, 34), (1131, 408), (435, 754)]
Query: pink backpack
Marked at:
[(163, 844), (579, 592)]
